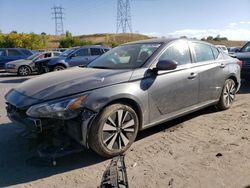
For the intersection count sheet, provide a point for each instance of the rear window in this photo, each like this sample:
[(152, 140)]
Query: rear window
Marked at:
[(203, 52), (12, 52), (26, 52)]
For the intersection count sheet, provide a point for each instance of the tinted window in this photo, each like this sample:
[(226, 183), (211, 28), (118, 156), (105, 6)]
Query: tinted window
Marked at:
[(215, 52), (179, 51), (203, 52), (13, 52), (96, 51), (2, 53), (82, 52)]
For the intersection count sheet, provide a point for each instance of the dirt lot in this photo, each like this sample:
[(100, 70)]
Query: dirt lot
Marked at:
[(181, 153)]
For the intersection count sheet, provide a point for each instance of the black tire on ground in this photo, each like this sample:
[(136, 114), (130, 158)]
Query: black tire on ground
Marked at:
[(114, 130), (58, 68), (24, 71), (227, 95)]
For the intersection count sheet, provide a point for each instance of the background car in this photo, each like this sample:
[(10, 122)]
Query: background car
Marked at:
[(244, 55), (233, 50), (223, 48), (25, 67), (11, 54), (72, 57), (130, 88)]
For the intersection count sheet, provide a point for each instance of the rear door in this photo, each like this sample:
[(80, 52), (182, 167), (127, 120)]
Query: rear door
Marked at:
[(175, 90), (80, 57), (95, 52), (212, 71)]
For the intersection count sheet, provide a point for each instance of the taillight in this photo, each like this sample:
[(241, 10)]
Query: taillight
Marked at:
[(240, 63)]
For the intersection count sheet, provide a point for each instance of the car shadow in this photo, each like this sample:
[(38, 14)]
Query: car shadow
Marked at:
[(14, 154), (245, 87), (174, 124), (14, 81)]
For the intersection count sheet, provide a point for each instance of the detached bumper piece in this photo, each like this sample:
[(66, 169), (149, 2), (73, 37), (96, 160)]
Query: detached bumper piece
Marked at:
[(115, 175)]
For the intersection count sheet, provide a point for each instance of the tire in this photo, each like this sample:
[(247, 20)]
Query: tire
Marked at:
[(107, 136), (58, 68), (24, 71), (228, 95)]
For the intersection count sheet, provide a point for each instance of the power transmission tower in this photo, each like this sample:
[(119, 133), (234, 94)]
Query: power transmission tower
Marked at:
[(123, 16), (58, 17)]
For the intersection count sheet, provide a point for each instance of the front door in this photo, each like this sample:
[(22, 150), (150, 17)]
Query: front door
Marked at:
[(174, 90), (81, 57)]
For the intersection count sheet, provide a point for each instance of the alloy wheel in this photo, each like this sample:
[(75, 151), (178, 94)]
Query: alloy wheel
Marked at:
[(229, 92), (24, 71), (118, 130)]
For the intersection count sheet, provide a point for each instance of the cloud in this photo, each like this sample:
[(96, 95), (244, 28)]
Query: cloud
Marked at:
[(234, 31)]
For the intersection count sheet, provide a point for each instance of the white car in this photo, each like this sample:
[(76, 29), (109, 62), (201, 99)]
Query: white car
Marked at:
[(222, 48)]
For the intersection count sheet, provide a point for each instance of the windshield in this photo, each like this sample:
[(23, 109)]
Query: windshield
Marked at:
[(33, 56), (67, 52), (129, 56)]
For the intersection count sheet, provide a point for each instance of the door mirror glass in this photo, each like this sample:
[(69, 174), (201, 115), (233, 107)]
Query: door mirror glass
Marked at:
[(72, 55), (166, 64)]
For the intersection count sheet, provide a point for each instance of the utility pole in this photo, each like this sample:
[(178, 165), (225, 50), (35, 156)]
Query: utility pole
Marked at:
[(58, 17), (123, 16)]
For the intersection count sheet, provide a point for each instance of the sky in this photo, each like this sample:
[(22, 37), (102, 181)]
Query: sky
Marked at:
[(168, 18)]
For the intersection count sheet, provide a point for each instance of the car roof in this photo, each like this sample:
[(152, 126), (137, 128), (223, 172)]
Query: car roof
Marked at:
[(165, 41)]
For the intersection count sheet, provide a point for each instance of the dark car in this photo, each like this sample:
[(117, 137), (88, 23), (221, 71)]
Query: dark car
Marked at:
[(130, 88), (244, 55), (12, 54), (72, 57)]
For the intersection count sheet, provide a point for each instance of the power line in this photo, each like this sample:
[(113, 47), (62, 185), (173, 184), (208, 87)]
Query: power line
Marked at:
[(123, 22), (58, 12)]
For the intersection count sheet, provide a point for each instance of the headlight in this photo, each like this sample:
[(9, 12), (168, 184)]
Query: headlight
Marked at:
[(64, 109), (10, 66)]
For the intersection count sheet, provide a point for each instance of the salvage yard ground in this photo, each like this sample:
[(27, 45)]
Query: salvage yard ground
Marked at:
[(204, 149)]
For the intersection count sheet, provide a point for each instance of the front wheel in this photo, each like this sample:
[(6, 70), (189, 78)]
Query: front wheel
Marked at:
[(24, 71), (228, 95), (114, 130)]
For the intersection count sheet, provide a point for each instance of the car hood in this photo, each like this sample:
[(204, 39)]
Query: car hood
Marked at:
[(20, 61), (64, 83)]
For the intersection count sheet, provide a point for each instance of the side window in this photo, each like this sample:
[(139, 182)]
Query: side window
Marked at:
[(246, 48), (96, 51), (2, 53), (179, 51), (82, 52), (203, 52), (27, 52), (215, 52), (12, 52)]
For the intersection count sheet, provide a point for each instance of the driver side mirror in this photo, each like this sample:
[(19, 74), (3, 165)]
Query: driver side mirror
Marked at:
[(237, 50), (166, 65)]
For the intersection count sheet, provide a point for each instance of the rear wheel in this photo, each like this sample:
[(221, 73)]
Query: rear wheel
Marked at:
[(59, 68), (24, 71), (228, 95), (114, 130)]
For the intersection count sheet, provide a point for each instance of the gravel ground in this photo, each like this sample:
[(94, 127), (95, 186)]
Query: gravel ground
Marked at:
[(205, 149)]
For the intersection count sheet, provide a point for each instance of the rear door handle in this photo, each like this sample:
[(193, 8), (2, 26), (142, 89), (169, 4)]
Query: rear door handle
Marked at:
[(222, 65), (192, 75)]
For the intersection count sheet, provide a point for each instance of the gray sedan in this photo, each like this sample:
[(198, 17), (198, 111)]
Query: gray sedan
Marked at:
[(128, 89), (25, 67)]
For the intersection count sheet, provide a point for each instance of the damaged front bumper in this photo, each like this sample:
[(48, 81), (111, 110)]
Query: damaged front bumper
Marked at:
[(77, 128)]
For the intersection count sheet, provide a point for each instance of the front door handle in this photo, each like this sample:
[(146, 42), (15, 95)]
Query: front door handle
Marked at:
[(222, 65), (192, 75)]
